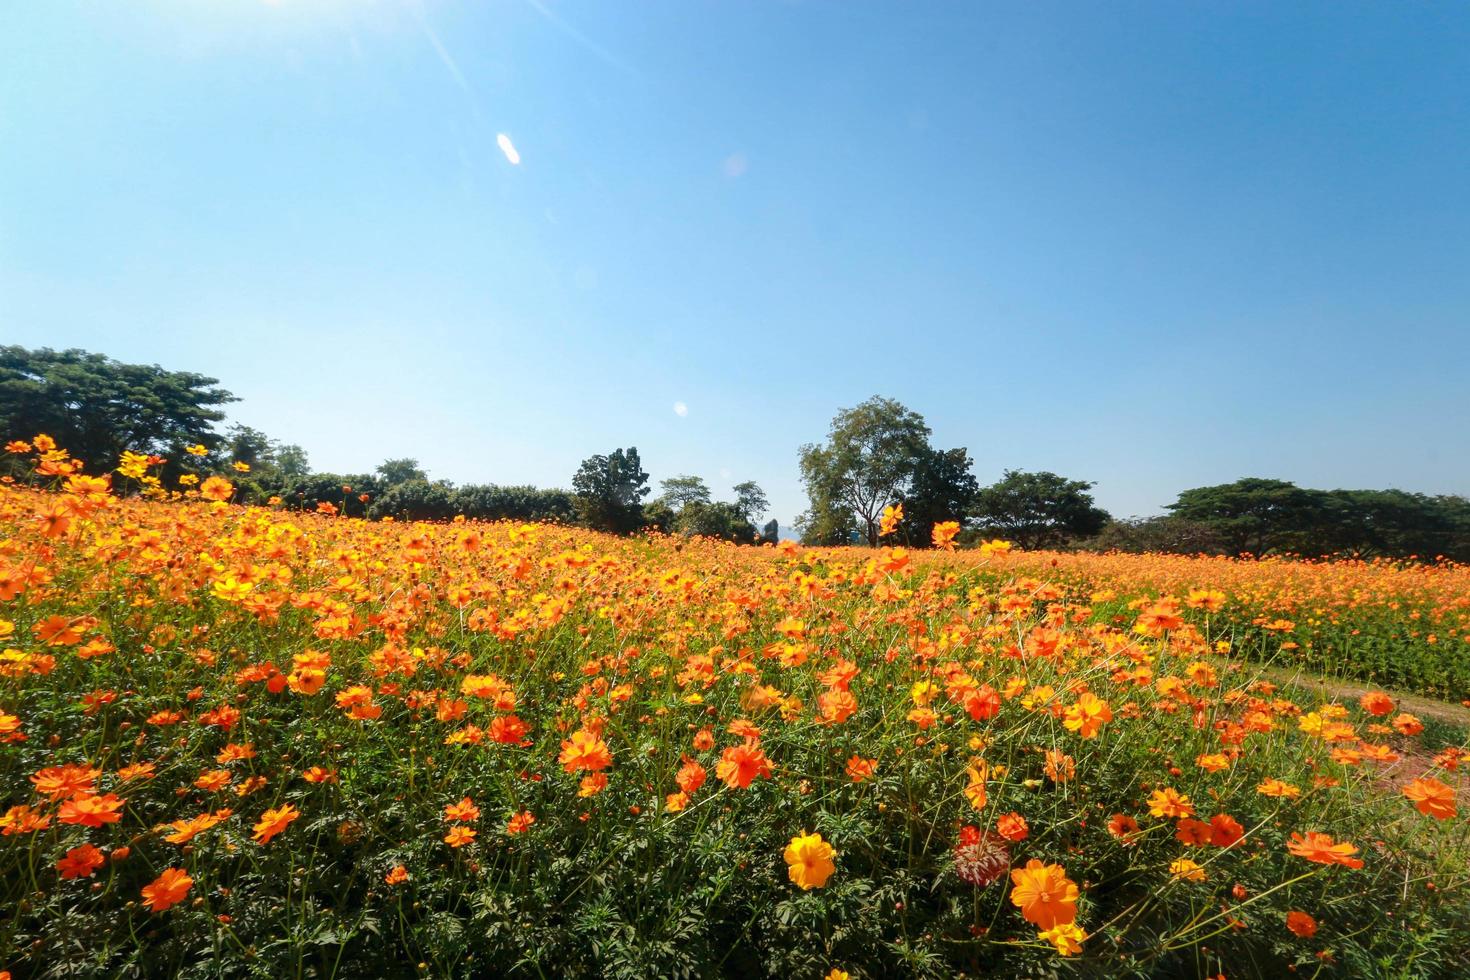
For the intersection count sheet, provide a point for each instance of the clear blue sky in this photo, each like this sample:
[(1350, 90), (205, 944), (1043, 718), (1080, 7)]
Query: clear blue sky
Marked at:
[(1151, 245)]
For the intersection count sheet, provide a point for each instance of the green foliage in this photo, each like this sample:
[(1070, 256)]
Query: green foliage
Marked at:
[(1038, 510), (868, 462), (1251, 515), (608, 491), (1260, 516), (343, 492), (416, 500), (96, 407), (1166, 534), (715, 520), (490, 502), (943, 489), (751, 500), (681, 491), (395, 471)]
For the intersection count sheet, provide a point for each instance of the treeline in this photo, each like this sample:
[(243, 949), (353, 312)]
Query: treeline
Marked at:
[(876, 464), (1262, 517), (98, 409), (878, 458)]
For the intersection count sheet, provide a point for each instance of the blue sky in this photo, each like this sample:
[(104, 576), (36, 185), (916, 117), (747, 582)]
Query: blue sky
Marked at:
[(1151, 245)]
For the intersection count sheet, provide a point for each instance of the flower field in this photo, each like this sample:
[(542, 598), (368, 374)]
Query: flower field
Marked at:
[(247, 742), (1403, 625)]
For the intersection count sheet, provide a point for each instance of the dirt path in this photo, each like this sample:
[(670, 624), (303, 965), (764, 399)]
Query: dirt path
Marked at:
[(1445, 711)]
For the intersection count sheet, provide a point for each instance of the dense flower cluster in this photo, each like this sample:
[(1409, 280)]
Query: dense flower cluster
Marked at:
[(306, 741)]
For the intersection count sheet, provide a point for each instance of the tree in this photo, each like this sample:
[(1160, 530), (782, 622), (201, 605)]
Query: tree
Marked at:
[(751, 500), (868, 462), (1254, 514), (609, 490), (717, 520), (247, 445), (291, 461), (1038, 510), (96, 407), (1166, 534), (395, 471), (680, 491), (416, 500), (943, 489)]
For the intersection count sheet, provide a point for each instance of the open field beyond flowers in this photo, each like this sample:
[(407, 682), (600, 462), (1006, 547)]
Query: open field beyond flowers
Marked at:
[(249, 743)]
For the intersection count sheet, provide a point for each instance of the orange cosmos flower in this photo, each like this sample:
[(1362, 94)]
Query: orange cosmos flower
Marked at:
[(592, 784), (809, 861), (508, 730), (894, 560), (1377, 703), (1322, 849), (1123, 827), (397, 876), (944, 533), (1044, 894), (272, 822), (1275, 787), (1193, 833), (1225, 830), (22, 820), (1169, 802), (1432, 797), (1159, 618), (1184, 869), (465, 810), (1060, 767), (1013, 827), (1301, 924), (860, 769), (1088, 715), (1207, 599), (1067, 937), (186, 830), (80, 862), (459, 836), (740, 765), (70, 780), (91, 811), (217, 488), (167, 890), (520, 823), (889, 521), (584, 750), (690, 777), (1408, 724)]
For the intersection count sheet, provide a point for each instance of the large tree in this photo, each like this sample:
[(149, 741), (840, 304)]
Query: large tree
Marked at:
[(1254, 514), (96, 407), (681, 491), (396, 471), (869, 461), (751, 500), (609, 490), (1038, 510), (943, 489), (716, 520)]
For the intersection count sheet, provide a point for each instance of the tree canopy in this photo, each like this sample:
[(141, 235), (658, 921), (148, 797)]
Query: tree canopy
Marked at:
[(1038, 510), (867, 463), (609, 491), (97, 407)]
